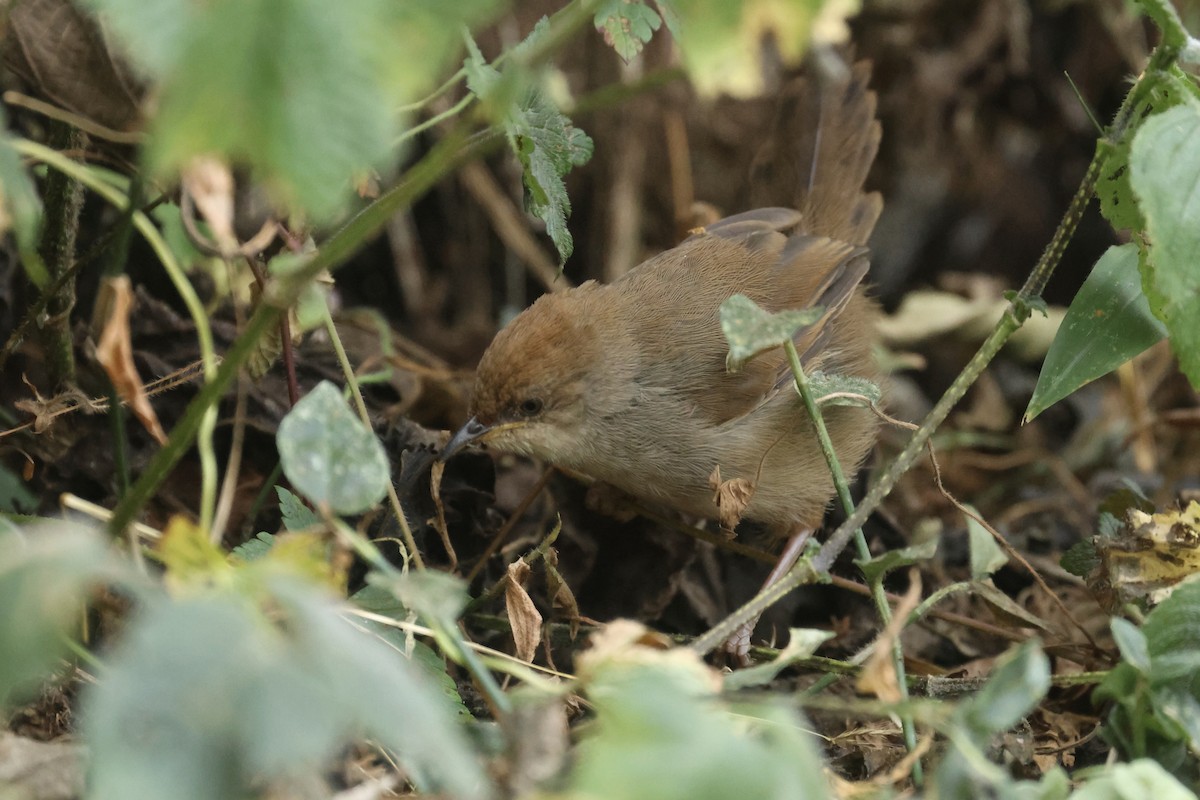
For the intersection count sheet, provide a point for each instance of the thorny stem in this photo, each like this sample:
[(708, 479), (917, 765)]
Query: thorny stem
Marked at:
[(64, 201), (810, 571), (860, 540)]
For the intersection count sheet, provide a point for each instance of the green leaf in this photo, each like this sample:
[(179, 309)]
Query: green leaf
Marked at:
[(1081, 559), (296, 515), (647, 719), (1117, 200), (1108, 323), (750, 330), (722, 41), (986, 555), (627, 25), (878, 567), (544, 140), (256, 548), (436, 596), (329, 455), (20, 208), (303, 91), (1132, 644), (379, 601), (14, 497), (1014, 688), (843, 390), (46, 569), (211, 699), (1165, 173), (1136, 780)]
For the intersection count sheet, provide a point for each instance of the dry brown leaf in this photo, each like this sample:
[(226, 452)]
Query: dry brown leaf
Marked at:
[(439, 522), (210, 184), (115, 354), (731, 498), (1152, 556), (46, 409), (878, 676), (561, 596), (523, 617)]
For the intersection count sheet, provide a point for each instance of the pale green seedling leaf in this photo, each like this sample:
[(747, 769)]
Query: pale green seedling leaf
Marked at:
[(46, 571), (329, 455), (832, 389), (1135, 650), (627, 25), (1019, 681), (987, 555), (750, 330), (1165, 173), (544, 140), (1108, 323), (211, 699), (722, 40)]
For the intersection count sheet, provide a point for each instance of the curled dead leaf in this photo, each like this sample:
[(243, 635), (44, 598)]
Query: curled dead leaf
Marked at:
[(209, 183), (523, 617), (731, 498), (561, 597), (115, 354)]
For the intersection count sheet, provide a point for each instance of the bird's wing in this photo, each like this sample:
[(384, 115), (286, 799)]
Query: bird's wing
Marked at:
[(674, 302)]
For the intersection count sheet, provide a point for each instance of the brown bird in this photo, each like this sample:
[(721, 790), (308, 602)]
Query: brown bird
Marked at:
[(627, 383)]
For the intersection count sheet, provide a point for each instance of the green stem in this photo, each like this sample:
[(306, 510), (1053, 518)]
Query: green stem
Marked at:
[(446, 632), (860, 539), (439, 162), (410, 543), (208, 421), (809, 571)]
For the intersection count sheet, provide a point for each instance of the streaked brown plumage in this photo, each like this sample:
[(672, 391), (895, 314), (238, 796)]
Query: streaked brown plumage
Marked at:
[(626, 382)]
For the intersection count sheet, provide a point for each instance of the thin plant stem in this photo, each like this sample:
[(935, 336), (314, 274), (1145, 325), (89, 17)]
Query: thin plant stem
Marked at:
[(1018, 312), (1021, 306), (441, 160), (465, 655), (207, 421), (860, 539), (410, 549)]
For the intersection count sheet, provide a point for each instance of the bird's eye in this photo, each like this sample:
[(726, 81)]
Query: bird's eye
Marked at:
[(531, 406)]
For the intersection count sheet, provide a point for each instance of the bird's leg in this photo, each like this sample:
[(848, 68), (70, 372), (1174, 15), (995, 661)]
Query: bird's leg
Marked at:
[(738, 643)]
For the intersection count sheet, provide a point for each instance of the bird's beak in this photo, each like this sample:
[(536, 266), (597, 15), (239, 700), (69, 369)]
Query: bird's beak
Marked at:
[(473, 431)]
